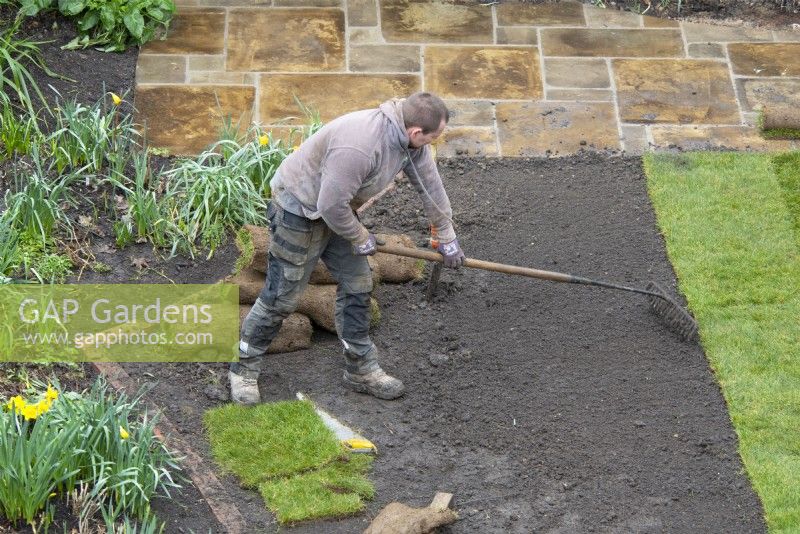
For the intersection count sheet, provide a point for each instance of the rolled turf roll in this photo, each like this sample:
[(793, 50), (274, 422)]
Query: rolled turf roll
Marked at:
[(397, 269), (259, 236), (318, 303), (250, 283), (295, 333), (385, 267), (780, 122), (260, 239)]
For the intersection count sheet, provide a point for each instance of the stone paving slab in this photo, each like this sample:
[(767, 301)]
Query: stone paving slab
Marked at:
[(677, 91), (297, 40), (521, 79), (201, 111), (482, 72), (516, 14), (761, 92), (711, 138), (331, 94), (192, 31), (421, 21), (385, 58), (593, 42), (765, 59), (559, 128), (577, 73)]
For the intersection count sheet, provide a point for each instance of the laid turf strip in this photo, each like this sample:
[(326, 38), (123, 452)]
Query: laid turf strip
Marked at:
[(295, 461), (730, 224)]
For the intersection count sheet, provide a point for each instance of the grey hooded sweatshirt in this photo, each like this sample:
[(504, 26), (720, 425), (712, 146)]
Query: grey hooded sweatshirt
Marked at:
[(351, 159)]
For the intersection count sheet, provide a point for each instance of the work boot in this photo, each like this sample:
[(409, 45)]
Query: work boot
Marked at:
[(244, 390), (376, 383)]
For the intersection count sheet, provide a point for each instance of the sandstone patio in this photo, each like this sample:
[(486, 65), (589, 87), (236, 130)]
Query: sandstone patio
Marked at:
[(521, 79)]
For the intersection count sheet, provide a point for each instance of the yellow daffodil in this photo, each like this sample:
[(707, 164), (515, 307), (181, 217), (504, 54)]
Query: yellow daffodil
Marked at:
[(263, 139), (115, 99), (123, 433), (51, 394), (17, 403), (42, 406), (30, 411), (295, 148), (53, 494)]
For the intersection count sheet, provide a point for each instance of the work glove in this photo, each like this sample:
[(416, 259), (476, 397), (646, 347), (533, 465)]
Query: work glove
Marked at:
[(452, 253), (368, 247)]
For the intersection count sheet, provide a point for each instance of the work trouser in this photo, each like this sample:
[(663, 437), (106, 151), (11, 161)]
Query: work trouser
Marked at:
[(296, 245)]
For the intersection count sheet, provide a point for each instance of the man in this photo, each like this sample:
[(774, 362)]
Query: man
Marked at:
[(311, 217)]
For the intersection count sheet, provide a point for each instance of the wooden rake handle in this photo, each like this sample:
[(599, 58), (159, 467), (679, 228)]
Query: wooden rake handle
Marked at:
[(553, 276), (429, 255)]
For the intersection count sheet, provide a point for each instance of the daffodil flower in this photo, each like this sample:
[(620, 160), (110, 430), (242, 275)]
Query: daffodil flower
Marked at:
[(263, 139), (42, 406), (123, 433), (295, 148), (52, 494), (115, 99), (17, 403), (30, 411), (51, 394)]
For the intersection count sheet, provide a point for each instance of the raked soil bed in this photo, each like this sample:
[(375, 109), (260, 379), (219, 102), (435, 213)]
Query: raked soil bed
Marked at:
[(541, 406)]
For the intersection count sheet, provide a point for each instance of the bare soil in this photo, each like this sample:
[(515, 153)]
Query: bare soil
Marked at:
[(541, 406)]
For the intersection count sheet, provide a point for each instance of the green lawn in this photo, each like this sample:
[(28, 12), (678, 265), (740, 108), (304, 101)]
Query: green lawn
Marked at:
[(731, 222), (285, 451)]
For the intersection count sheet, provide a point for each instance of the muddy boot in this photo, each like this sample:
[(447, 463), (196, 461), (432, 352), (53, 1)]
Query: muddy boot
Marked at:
[(364, 375), (376, 383), (244, 390)]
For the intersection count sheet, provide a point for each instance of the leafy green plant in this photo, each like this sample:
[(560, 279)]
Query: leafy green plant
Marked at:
[(145, 214), (90, 138), (113, 25), (36, 204), (52, 267), (38, 259), (95, 446), (119, 450), (123, 235), (19, 131), (100, 267), (206, 195), (9, 246), (32, 454), (17, 55)]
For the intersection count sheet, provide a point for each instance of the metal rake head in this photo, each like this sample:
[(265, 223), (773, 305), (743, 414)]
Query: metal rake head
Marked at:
[(673, 314)]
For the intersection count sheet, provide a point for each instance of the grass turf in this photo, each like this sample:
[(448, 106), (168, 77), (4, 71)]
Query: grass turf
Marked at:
[(295, 461), (730, 224), (337, 489)]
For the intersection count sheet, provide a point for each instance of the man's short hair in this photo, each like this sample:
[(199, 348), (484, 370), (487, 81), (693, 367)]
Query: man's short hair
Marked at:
[(426, 111)]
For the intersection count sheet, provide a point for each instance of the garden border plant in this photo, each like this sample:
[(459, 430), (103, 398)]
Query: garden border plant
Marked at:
[(95, 449), (100, 146), (113, 25)]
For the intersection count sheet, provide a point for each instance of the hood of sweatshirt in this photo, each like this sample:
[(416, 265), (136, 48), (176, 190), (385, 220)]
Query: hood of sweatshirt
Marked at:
[(393, 110)]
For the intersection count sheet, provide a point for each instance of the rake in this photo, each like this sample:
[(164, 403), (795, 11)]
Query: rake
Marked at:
[(670, 312)]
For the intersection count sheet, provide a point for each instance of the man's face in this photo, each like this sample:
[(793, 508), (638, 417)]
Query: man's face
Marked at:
[(417, 139)]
